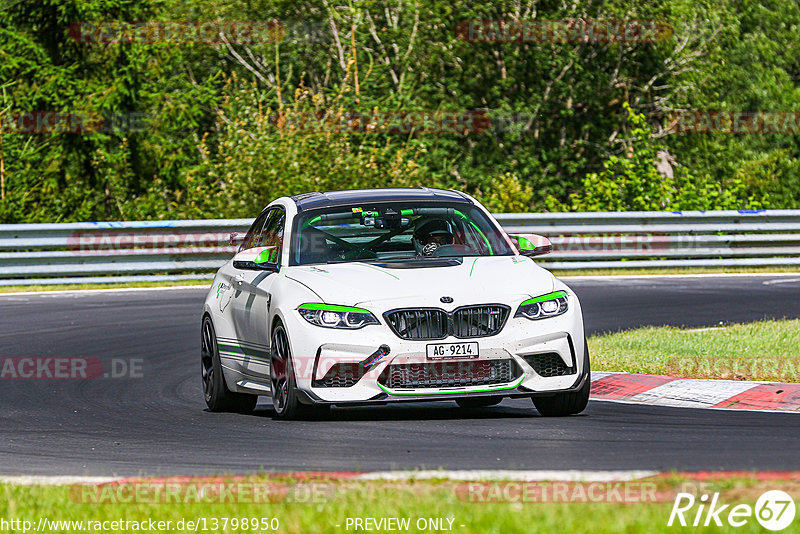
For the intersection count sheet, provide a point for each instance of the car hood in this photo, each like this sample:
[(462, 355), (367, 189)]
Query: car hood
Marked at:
[(497, 279)]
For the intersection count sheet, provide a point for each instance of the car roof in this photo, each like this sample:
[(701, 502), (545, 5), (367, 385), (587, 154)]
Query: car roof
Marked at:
[(309, 201)]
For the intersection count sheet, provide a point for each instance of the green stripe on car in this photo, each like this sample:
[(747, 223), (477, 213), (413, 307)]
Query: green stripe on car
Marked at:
[(485, 390), (330, 307), (542, 298), (245, 351)]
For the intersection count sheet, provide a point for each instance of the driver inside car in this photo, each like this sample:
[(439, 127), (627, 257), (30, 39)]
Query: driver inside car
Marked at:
[(431, 235)]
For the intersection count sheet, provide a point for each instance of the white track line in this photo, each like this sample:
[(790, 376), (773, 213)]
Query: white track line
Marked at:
[(465, 475), (787, 281), (502, 474), (105, 290), (700, 275), (36, 480)]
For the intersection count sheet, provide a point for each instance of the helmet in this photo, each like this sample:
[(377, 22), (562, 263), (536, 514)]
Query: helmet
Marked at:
[(431, 235)]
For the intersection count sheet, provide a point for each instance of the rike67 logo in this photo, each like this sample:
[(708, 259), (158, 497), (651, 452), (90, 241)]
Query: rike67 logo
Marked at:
[(774, 510)]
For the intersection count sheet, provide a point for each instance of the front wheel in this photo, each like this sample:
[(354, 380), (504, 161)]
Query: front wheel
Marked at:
[(217, 395), (571, 403), (284, 386)]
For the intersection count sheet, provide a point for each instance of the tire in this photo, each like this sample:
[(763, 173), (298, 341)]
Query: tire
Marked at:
[(478, 402), (284, 387), (562, 404), (217, 395)]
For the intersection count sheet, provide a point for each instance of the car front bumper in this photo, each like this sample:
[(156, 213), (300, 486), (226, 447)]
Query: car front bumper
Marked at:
[(316, 350)]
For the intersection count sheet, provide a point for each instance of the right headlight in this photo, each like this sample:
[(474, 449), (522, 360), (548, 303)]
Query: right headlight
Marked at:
[(332, 316), (544, 306)]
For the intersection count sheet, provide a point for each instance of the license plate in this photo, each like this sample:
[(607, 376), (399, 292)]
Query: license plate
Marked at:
[(452, 351)]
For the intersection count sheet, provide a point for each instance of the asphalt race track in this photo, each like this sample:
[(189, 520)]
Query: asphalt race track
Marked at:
[(156, 424)]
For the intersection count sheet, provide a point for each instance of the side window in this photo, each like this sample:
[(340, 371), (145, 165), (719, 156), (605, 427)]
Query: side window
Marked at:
[(272, 235), (252, 235)]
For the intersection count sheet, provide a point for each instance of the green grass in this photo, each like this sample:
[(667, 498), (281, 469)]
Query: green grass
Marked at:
[(334, 501), (565, 273), (73, 287), (764, 350)]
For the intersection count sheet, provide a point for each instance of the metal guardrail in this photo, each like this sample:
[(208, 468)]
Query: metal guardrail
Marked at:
[(97, 252), (175, 250), (665, 239)]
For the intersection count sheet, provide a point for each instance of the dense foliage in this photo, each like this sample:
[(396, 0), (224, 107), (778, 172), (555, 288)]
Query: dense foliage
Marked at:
[(216, 129)]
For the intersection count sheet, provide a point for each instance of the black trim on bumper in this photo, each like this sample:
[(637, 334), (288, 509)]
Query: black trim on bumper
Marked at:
[(516, 393), (382, 398)]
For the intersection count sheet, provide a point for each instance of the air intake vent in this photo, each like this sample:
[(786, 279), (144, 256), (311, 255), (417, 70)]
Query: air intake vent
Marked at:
[(449, 374), (341, 375), (549, 364)]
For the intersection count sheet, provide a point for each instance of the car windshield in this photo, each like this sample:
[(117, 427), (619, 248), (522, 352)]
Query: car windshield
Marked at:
[(395, 232)]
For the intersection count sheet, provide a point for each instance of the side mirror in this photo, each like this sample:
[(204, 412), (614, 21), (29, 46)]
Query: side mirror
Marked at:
[(257, 259), (236, 238), (532, 244)]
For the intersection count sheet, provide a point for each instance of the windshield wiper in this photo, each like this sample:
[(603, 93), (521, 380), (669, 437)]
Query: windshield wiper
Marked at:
[(396, 260), (409, 259)]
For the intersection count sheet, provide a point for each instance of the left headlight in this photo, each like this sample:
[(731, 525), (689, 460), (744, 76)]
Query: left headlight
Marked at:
[(544, 306), (333, 316)]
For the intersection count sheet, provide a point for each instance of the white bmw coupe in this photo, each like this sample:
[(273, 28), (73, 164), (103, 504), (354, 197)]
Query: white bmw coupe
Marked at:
[(387, 295)]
